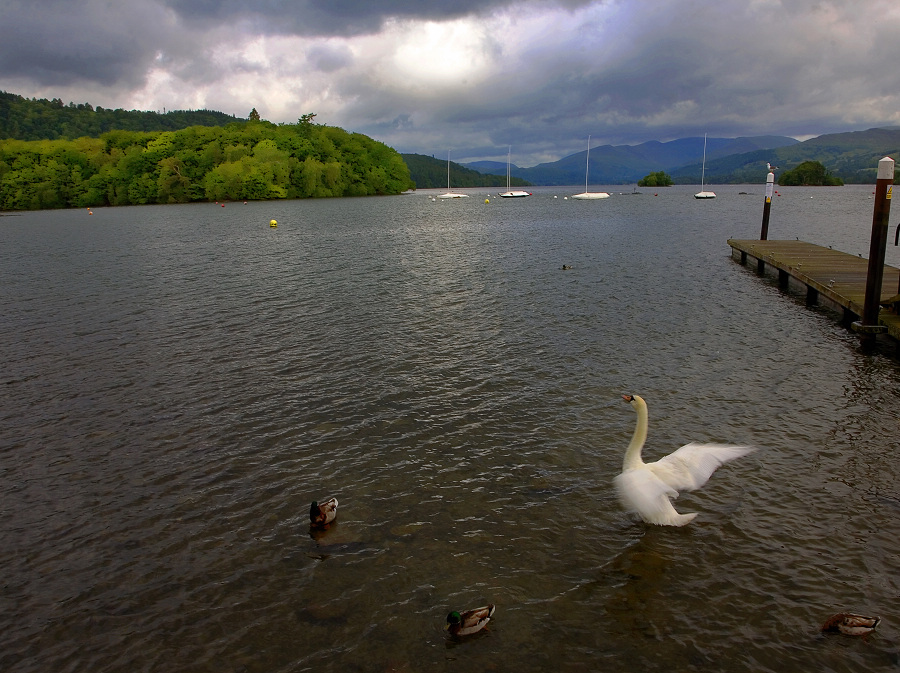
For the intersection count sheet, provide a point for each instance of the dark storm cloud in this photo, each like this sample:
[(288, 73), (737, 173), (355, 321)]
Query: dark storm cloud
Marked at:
[(57, 42), (341, 17), (540, 75)]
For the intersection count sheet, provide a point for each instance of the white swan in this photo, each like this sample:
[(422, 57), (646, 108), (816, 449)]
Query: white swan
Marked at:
[(648, 488)]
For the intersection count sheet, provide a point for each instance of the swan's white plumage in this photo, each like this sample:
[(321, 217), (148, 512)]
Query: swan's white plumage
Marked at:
[(649, 488)]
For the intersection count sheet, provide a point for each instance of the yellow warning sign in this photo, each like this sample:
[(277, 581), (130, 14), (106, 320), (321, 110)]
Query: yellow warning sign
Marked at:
[(890, 189)]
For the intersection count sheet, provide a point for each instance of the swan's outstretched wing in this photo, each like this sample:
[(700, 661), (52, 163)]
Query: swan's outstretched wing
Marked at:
[(643, 492), (691, 466)]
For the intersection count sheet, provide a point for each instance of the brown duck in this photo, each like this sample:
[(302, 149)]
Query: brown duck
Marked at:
[(850, 624), (322, 513)]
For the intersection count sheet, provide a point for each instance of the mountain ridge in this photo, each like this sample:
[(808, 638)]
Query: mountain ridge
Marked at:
[(852, 156)]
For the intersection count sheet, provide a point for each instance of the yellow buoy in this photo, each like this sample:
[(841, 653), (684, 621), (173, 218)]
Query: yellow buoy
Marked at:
[(273, 223), (487, 200)]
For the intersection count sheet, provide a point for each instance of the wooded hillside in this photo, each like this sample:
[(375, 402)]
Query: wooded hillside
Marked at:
[(431, 173), (41, 119), (239, 161)]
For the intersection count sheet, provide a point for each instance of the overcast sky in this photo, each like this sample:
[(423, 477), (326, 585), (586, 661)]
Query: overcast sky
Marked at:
[(474, 76)]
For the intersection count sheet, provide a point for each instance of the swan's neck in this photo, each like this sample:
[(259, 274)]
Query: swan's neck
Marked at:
[(633, 452)]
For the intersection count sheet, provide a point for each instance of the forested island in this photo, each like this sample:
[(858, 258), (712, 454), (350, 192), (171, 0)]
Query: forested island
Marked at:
[(657, 179), (243, 160), (810, 174)]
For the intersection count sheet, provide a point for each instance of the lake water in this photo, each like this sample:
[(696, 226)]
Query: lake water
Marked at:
[(179, 382)]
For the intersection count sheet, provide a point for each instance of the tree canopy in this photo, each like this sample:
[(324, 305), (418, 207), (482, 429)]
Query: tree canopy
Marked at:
[(250, 160), (658, 179), (809, 173), (41, 119), (431, 173)]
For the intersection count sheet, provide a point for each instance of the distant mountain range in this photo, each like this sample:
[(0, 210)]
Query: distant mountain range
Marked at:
[(624, 164), (852, 156)]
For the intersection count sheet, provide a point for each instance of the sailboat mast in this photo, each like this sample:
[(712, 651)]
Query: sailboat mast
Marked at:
[(703, 170), (587, 165)]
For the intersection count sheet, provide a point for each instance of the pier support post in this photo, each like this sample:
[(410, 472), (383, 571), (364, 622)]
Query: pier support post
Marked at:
[(770, 188), (868, 326)]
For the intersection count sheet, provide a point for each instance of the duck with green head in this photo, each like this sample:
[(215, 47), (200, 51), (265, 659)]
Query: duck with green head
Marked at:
[(322, 513), (470, 621)]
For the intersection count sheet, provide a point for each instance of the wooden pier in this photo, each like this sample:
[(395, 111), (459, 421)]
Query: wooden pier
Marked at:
[(830, 276)]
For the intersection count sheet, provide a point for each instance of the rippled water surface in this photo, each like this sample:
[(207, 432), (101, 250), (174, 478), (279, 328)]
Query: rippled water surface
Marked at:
[(179, 382)]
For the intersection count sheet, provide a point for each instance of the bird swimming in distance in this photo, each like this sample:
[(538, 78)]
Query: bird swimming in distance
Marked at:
[(470, 621), (850, 624), (649, 488), (322, 514)]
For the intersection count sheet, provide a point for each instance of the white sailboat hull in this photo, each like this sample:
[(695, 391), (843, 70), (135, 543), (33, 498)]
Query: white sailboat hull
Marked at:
[(591, 196), (517, 194), (705, 195)]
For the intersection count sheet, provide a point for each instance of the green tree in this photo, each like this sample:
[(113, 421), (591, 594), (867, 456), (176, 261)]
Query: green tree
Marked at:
[(237, 161), (658, 179), (809, 173)]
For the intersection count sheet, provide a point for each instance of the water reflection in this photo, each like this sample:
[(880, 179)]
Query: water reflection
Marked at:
[(177, 391)]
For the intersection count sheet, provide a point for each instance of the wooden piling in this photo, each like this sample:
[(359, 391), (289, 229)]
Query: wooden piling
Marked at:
[(880, 217), (770, 189)]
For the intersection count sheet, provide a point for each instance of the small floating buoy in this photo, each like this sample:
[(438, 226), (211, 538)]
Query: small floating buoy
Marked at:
[(487, 200), (555, 196), (273, 223)]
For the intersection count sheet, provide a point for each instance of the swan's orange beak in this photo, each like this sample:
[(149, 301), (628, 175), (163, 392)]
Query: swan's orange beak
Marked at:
[(628, 398)]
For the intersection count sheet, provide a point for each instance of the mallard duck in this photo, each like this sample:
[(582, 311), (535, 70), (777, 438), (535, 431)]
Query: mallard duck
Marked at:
[(850, 624), (470, 621), (648, 488), (322, 514)]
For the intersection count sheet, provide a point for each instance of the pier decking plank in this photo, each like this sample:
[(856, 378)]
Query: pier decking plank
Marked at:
[(839, 276)]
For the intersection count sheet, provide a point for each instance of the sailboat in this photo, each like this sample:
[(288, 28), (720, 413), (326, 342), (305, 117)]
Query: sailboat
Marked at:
[(704, 194), (450, 194), (511, 194), (586, 195)]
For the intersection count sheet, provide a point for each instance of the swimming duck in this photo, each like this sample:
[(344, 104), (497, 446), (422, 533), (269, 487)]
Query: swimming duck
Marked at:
[(322, 514), (850, 624), (649, 488), (470, 621)]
